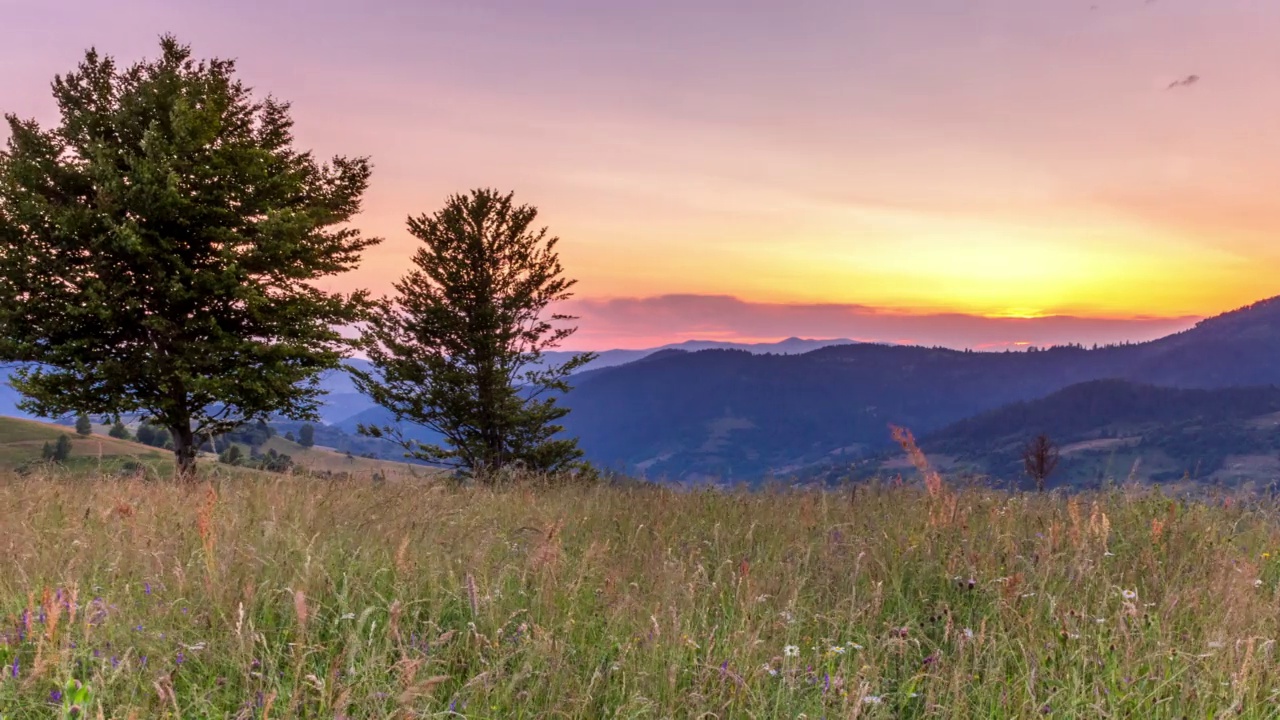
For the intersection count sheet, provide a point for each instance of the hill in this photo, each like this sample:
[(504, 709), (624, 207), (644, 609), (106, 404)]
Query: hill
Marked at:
[(21, 442), (1112, 428), (734, 415), (344, 406)]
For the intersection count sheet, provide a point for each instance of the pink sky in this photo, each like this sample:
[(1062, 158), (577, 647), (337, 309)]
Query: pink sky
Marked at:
[(868, 169)]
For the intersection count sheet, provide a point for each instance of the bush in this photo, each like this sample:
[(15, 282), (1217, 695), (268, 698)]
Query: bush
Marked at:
[(84, 426), (119, 431), (57, 452), (153, 436), (273, 461), (231, 456)]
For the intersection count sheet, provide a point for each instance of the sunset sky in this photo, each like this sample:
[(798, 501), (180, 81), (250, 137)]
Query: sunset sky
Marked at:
[(931, 171)]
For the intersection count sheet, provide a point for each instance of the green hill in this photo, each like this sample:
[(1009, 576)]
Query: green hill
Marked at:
[(21, 442), (1114, 430)]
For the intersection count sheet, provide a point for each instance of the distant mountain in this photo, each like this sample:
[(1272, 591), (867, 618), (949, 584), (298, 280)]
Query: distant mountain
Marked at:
[(345, 406), (734, 415), (613, 358), (1110, 428)]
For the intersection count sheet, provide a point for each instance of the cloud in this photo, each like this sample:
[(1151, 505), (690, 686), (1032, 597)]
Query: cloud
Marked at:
[(650, 321)]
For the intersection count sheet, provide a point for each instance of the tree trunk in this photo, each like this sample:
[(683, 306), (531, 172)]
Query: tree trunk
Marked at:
[(184, 451)]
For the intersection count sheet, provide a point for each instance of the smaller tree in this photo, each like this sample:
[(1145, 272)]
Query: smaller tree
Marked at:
[(119, 431), (459, 348), (290, 437), (46, 452), (84, 426), (1040, 459), (307, 435)]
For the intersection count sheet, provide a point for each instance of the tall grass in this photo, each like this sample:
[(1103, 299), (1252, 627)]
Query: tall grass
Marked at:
[(288, 597)]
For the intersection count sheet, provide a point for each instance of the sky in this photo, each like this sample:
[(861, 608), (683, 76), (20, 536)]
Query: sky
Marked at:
[(971, 173)]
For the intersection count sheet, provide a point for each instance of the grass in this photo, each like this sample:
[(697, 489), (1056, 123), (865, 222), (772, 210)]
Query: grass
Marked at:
[(281, 597)]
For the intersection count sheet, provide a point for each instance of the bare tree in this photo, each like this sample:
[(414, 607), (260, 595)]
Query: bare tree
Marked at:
[(1040, 458)]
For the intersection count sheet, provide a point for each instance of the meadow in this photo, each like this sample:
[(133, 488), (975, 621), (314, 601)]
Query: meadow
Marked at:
[(271, 596)]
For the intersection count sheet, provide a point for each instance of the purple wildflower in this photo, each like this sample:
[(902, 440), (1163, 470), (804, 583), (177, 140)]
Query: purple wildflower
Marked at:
[(15, 669), (55, 696)]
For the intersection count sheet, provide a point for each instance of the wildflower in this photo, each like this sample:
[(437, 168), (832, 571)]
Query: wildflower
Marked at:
[(15, 669), (968, 634), (1266, 555), (761, 598), (1129, 594), (55, 696), (789, 651), (872, 700), (146, 587), (1257, 583), (836, 649), (854, 645), (787, 617)]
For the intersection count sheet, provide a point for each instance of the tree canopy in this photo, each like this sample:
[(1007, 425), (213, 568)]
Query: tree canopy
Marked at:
[(159, 247), (459, 347)]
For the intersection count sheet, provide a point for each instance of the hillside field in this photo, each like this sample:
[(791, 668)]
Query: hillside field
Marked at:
[(291, 597), (21, 442)]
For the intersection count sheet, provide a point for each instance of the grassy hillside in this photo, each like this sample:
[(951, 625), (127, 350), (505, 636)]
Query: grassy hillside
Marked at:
[(322, 459), (1113, 430), (22, 440), (297, 598)]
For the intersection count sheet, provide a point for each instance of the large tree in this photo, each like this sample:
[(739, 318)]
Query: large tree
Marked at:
[(459, 347), (159, 247)]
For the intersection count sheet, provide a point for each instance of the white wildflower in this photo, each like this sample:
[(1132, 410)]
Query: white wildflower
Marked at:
[(872, 700), (836, 649), (1129, 594), (791, 651)]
